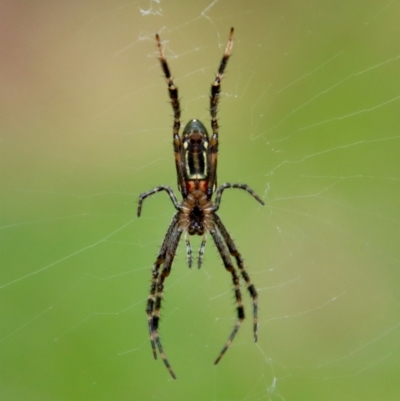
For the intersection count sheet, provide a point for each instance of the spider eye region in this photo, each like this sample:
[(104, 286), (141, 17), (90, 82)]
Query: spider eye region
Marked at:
[(196, 218)]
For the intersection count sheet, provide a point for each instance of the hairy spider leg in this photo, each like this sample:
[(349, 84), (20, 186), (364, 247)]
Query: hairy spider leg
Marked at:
[(214, 98), (172, 244), (177, 143), (160, 258), (227, 185), (154, 277), (145, 195), (239, 261), (236, 287)]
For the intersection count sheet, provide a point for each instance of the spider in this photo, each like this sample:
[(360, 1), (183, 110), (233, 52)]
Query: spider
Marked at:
[(196, 167)]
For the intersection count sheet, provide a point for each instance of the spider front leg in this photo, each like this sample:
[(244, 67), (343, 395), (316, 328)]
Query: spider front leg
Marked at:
[(155, 273), (165, 257), (236, 286), (239, 261), (172, 240), (170, 192)]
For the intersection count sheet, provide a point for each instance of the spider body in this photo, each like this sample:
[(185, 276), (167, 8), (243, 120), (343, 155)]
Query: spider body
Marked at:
[(196, 165)]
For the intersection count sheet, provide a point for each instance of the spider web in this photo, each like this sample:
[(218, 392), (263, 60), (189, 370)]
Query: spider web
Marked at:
[(309, 119)]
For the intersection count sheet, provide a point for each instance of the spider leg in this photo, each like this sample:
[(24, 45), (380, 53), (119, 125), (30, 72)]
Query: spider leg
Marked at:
[(201, 251), (236, 286), (235, 253), (170, 192), (173, 95), (214, 98), (170, 250), (155, 273), (227, 185)]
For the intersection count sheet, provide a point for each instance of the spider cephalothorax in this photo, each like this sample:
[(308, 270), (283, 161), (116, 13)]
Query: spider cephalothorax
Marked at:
[(196, 213), (196, 167)]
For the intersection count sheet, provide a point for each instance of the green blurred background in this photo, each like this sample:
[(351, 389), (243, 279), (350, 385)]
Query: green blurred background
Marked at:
[(309, 119)]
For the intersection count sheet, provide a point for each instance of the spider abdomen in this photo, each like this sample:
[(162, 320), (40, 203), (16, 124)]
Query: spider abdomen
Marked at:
[(195, 146)]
